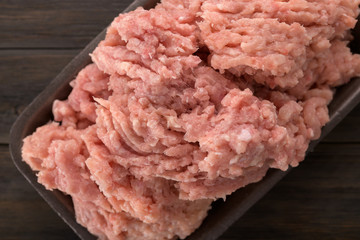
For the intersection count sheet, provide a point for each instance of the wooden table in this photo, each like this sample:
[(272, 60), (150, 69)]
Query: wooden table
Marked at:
[(318, 200)]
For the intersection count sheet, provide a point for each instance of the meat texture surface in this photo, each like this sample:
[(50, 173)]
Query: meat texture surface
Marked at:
[(273, 41), (187, 102)]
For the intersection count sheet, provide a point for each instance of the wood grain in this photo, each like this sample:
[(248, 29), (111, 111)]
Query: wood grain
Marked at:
[(24, 74), (54, 24)]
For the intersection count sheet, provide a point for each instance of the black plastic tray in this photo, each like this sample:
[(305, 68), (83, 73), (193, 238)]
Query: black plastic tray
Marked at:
[(222, 215)]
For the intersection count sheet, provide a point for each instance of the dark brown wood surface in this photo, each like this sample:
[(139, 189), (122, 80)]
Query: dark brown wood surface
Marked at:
[(320, 199)]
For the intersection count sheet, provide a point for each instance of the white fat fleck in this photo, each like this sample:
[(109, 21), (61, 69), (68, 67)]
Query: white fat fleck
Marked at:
[(244, 135), (172, 122), (93, 178), (220, 6), (136, 122), (148, 218), (255, 161), (218, 153), (112, 136), (202, 90), (226, 137), (151, 123), (234, 159), (310, 132), (153, 144)]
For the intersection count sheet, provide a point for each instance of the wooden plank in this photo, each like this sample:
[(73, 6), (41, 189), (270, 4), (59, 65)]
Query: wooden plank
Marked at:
[(325, 149), (24, 215), (348, 130), (317, 200), (54, 24), (24, 74)]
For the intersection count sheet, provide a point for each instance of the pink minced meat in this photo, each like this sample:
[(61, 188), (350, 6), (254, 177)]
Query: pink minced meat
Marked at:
[(152, 133), (111, 209), (271, 40), (79, 109)]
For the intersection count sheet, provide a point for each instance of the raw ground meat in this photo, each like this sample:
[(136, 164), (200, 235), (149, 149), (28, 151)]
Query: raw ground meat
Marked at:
[(187, 102), (78, 110), (271, 40), (109, 210)]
